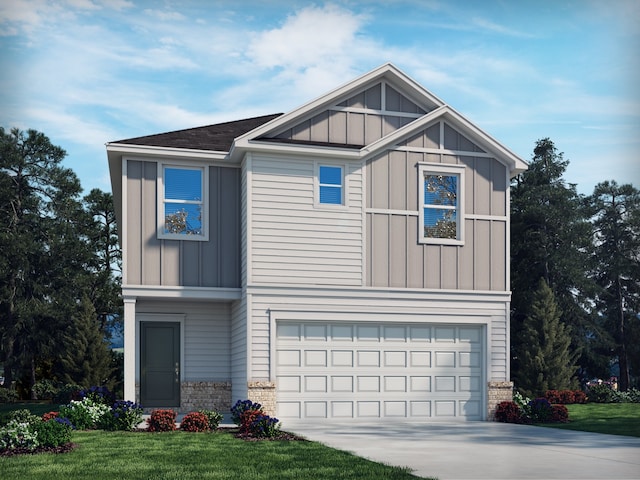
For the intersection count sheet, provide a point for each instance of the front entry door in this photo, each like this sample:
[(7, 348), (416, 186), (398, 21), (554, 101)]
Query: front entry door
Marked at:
[(160, 364)]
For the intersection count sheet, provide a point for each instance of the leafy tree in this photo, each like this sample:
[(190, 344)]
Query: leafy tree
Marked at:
[(616, 220), (86, 358), (551, 240), (548, 361), (54, 252)]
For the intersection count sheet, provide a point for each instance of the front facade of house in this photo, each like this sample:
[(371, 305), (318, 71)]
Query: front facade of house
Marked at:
[(345, 261)]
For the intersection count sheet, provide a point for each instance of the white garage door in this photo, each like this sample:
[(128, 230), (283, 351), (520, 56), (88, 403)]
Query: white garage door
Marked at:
[(377, 371)]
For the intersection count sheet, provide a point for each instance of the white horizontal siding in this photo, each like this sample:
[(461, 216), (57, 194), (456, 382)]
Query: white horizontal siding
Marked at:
[(294, 241)]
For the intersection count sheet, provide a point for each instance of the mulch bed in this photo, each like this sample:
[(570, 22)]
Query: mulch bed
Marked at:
[(25, 451)]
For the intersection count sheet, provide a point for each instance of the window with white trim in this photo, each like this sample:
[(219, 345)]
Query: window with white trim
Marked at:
[(182, 200), (441, 210), (330, 185)]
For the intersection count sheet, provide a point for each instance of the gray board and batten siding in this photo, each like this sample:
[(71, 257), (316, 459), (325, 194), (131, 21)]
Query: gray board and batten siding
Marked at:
[(154, 261), (395, 258)]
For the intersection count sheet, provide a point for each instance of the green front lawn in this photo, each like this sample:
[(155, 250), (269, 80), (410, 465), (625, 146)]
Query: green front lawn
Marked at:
[(185, 456), (612, 418)]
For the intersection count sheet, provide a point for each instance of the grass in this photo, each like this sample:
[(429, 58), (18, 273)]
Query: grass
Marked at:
[(611, 418), (187, 456)]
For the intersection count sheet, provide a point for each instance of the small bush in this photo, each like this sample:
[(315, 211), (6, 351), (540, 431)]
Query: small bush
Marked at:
[(23, 416), (214, 418), (565, 397), (8, 396), (45, 389), (242, 406), (601, 394), (246, 420), (540, 410), (54, 433), (18, 435), (162, 421), (195, 422), (84, 414), (264, 426), (124, 415), (508, 412), (66, 393), (559, 414)]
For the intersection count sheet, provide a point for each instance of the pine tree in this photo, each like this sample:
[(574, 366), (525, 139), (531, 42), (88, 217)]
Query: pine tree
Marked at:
[(547, 361), (85, 358), (551, 239)]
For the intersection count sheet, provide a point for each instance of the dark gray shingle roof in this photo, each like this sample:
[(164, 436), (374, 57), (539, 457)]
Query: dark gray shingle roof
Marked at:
[(218, 137)]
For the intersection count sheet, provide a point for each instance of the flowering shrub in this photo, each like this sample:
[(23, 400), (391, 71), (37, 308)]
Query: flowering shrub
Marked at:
[(565, 397), (213, 417), (540, 410), (195, 422), (162, 421), (18, 434), (264, 426), (97, 394), (23, 416), (523, 403), (508, 412), (49, 416), (242, 406), (124, 415), (246, 420), (84, 414), (559, 414)]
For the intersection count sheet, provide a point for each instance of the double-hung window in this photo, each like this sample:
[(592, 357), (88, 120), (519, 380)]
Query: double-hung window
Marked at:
[(182, 203), (441, 211), (331, 185)]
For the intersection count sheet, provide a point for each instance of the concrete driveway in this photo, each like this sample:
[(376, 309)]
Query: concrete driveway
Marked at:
[(483, 450)]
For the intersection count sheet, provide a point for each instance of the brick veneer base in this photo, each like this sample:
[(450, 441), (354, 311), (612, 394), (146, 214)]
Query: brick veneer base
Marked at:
[(265, 394), (498, 392)]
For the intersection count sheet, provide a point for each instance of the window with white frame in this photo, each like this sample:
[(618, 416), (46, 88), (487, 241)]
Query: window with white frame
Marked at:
[(441, 212), (182, 203), (331, 185)]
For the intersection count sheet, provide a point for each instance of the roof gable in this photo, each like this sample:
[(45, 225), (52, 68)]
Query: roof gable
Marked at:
[(381, 109)]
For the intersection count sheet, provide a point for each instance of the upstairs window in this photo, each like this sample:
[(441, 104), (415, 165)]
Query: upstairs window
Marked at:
[(331, 185), (441, 215), (182, 211)]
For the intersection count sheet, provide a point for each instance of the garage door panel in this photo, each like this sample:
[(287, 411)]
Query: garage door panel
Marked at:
[(379, 371)]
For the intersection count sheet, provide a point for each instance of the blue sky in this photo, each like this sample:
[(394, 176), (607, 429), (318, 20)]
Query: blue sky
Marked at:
[(86, 72)]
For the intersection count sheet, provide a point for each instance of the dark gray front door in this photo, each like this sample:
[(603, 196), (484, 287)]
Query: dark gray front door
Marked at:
[(160, 364)]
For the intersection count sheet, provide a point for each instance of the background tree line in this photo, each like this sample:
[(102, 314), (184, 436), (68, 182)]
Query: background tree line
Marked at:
[(575, 278), (575, 263), (59, 270)]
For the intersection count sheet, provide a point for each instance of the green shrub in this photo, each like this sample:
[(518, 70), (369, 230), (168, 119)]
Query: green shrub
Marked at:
[(162, 421), (18, 435), (8, 396), (195, 422), (23, 416), (84, 414), (54, 433), (213, 417), (46, 389), (123, 415), (601, 394), (264, 426)]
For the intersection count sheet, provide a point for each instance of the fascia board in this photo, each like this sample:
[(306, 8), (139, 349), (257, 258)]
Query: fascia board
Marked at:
[(306, 150), (388, 71), (516, 164), (147, 150)]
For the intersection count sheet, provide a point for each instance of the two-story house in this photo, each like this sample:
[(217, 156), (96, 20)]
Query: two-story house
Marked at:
[(347, 260)]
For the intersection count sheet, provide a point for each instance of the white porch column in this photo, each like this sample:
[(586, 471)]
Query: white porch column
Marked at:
[(130, 349)]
